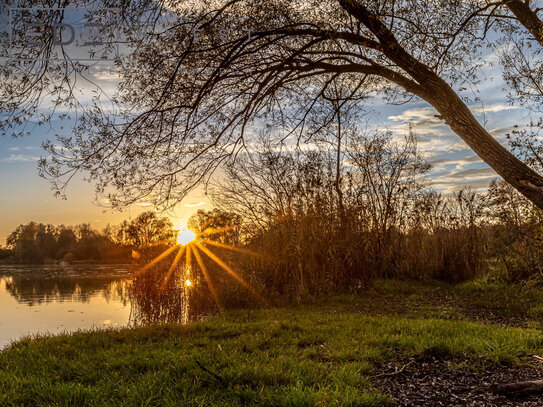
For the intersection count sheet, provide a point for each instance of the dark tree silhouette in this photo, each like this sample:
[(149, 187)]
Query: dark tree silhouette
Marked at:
[(224, 226), (37, 242), (145, 230), (193, 91)]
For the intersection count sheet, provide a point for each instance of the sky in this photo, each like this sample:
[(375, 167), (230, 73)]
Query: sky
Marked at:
[(25, 197)]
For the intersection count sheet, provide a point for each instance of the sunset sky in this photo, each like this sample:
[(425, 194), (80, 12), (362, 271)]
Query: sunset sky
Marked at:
[(27, 197)]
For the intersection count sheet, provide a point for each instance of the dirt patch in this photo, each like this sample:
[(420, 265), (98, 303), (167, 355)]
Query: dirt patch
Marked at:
[(432, 381)]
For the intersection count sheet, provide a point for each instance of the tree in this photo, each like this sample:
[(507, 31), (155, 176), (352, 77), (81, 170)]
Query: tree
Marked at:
[(90, 243), (66, 241), (517, 231), (21, 241), (145, 230), (271, 182), (189, 100), (222, 226), (335, 116), (391, 179)]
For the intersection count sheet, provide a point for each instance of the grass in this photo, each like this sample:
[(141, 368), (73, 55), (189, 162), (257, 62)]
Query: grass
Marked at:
[(320, 353)]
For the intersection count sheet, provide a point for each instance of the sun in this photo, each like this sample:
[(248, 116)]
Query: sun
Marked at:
[(185, 236), (189, 245)]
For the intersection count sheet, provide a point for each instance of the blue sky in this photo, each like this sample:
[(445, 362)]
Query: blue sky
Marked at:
[(27, 197)]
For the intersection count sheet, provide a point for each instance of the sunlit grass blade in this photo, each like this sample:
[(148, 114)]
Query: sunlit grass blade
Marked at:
[(160, 257), (226, 246), (208, 279), (173, 267), (226, 268)]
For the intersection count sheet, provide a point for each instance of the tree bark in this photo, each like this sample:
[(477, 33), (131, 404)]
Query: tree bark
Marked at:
[(527, 17), (436, 91), (461, 120)]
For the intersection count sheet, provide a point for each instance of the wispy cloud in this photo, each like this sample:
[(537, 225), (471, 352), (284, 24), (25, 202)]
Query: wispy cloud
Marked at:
[(428, 115), (194, 205), (493, 108), (441, 163), (423, 115), (471, 174), (13, 158), (451, 187)]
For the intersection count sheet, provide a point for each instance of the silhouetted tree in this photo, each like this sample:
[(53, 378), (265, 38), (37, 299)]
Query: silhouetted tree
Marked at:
[(33, 242), (188, 100), (219, 225), (66, 241), (145, 230), (36, 243)]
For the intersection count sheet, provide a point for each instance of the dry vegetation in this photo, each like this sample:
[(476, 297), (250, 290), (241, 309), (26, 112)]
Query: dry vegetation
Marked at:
[(318, 231)]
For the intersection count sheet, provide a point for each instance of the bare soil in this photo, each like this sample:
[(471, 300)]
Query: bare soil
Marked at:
[(433, 381)]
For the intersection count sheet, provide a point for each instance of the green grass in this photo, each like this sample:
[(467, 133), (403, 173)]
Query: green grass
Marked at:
[(322, 353)]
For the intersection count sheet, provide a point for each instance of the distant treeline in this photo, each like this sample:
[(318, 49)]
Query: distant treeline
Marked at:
[(45, 243)]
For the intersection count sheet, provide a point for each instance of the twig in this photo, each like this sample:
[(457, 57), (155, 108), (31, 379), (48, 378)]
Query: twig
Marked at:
[(393, 373), (213, 374)]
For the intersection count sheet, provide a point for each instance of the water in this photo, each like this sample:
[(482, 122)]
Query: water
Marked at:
[(57, 299)]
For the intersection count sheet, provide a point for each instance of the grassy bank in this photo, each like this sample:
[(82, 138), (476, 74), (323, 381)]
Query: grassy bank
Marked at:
[(323, 353)]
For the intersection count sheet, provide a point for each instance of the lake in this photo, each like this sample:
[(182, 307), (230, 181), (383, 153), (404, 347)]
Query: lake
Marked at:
[(56, 299)]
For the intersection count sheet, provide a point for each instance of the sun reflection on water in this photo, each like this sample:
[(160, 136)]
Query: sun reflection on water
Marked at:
[(191, 244)]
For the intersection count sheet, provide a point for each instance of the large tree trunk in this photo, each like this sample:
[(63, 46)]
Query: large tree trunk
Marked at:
[(460, 119), (432, 88), (527, 17)]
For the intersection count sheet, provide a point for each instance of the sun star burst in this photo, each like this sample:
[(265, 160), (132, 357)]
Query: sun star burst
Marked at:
[(190, 243)]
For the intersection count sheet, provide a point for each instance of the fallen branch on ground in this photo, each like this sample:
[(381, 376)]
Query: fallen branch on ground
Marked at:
[(214, 375), (395, 372), (520, 388)]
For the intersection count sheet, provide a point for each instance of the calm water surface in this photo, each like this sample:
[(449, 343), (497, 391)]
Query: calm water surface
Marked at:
[(56, 299)]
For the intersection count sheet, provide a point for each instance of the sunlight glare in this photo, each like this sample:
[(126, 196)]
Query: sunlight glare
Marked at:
[(185, 236), (190, 244)]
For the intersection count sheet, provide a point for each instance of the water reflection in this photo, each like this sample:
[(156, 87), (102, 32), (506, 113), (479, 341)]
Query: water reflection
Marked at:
[(176, 302), (34, 292), (54, 299)]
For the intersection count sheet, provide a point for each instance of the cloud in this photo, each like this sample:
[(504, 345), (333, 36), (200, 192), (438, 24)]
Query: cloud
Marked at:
[(444, 163), (471, 174), (106, 73), (20, 158), (454, 165), (494, 108), (194, 205), (432, 133), (452, 187), (464, 160), (426, 115)]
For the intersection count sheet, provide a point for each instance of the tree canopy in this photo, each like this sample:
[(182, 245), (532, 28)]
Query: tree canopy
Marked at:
[(194, 90)]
